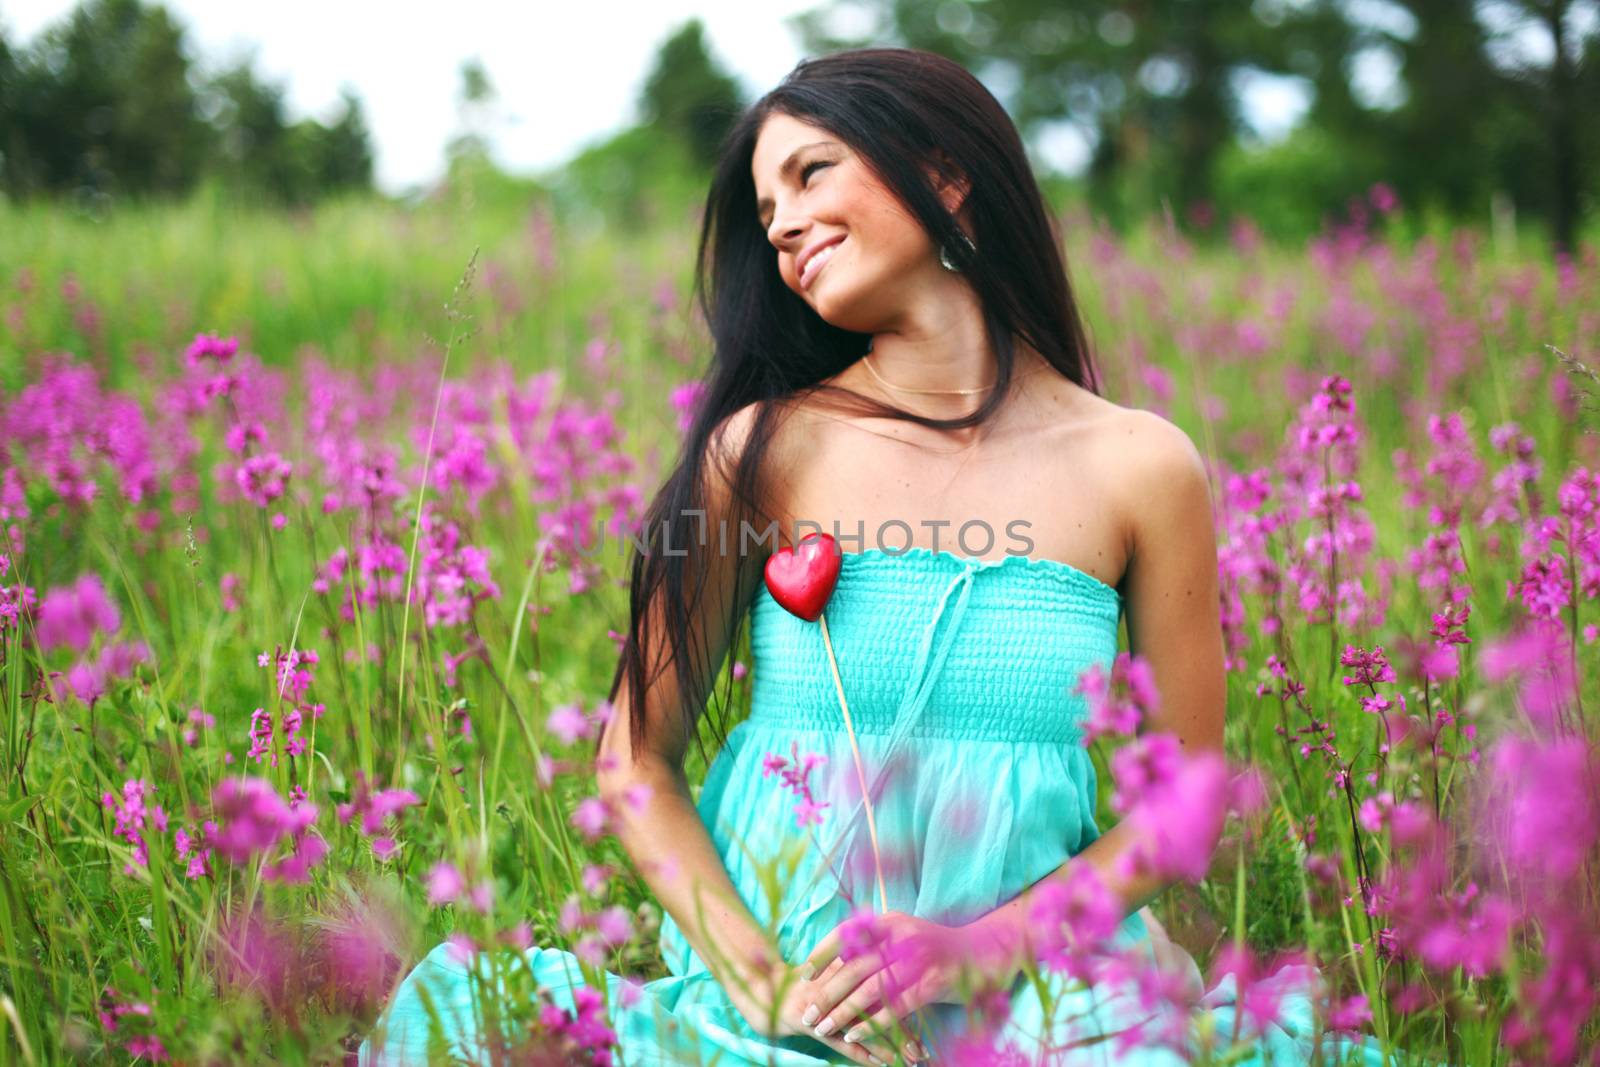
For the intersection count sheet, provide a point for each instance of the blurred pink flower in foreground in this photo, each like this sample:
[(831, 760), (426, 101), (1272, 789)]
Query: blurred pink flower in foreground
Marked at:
[(445, 883), (1176, 806), (252, 819), (70, 616), (1120, 701), (795, 773)]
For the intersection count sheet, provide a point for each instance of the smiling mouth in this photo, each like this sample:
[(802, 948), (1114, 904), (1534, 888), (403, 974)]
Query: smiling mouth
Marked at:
[(818, 261)]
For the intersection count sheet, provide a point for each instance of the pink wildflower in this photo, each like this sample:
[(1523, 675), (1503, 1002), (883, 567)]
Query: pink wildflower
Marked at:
[(1370, 667), (262, 479), (70, 616), (132, 815), (795, 777), (590, 817), (1075, 916), (252, 818), (1178, 816), (1120, 700), (209, 347), (375, 807), (569, 723), (445, 883), (193, 850), (308, 851)]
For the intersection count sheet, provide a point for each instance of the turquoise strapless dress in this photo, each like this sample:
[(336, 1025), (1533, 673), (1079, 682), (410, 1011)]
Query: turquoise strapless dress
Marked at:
[(958, 673)]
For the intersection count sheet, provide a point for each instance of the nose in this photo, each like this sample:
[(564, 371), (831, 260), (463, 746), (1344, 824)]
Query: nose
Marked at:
[(783, 232)]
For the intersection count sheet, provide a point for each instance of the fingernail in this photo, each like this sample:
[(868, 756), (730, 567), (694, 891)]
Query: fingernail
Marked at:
[(914, 1051), (807, 971), (855, 1033), (824, 1028), (810, 1016), (877, 1062)]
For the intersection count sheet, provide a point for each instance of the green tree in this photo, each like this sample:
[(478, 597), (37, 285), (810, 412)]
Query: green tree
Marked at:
[(1155, 86), (255, 138), (1477, 112), (342, 153), (1436, 137), (11, 143), (103, 101), (688, 95), (1556, 149), (1152, 84), (264, 154), (106, 102)]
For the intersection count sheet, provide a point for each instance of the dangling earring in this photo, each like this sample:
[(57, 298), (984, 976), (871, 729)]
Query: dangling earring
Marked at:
[(944, 252)]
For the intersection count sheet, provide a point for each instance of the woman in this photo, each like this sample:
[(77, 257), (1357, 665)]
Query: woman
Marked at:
[(898, 360)]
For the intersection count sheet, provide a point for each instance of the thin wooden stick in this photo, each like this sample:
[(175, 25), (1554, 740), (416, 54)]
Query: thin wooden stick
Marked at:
[(872, 828)]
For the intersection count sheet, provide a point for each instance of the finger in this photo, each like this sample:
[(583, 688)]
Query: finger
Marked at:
[(873, 978), (884, 1048), (822, 953), (829, 971), (880, 1049), (813, 988), (873, 1023), (889, 1018), (855, 1004), (880, 1043), (830, 992), (894, 1042), (878, 1028), (857, 1052)]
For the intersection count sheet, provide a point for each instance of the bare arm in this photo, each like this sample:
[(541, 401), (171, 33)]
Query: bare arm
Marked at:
[(1174, 622), (665, 836), (668, 841)]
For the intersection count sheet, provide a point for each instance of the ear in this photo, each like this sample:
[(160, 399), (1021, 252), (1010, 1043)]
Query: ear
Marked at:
[(951, 184)]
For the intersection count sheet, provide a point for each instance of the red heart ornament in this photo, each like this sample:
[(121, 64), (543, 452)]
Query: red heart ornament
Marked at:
[(802, 578)]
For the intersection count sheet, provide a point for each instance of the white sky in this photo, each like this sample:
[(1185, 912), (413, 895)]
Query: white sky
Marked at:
[(566, 73)]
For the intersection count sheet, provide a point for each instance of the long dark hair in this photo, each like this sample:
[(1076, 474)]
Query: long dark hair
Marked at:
[(901, 110)]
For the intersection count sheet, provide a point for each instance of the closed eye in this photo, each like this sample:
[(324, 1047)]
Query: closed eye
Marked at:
[(805, 171)]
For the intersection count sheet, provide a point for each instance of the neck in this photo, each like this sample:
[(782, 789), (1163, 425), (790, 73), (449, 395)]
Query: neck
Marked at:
[(964, 380), (907, 367)]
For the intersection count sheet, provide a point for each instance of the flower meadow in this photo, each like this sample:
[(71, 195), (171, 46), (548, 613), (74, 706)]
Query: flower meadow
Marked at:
[(305, 635)]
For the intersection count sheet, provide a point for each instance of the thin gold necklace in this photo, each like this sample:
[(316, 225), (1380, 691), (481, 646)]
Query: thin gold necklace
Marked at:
[(867, 359)]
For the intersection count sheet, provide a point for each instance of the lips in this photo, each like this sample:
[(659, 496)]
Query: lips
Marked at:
[(804, 264)]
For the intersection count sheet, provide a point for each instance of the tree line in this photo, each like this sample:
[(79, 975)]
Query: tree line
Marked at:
[(109, 102), (1491, 97), (1490, 104)]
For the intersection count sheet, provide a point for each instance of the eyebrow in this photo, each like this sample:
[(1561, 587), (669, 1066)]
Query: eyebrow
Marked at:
[(764, 204)]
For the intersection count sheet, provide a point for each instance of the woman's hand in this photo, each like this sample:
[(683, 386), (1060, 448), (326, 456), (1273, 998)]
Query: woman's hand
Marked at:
[(897, 964), (755, 995)]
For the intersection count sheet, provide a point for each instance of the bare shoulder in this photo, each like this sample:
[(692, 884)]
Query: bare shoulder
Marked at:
[(1162, 488), (1152, 444), (1131, 446), (730, 440), (732, 435)]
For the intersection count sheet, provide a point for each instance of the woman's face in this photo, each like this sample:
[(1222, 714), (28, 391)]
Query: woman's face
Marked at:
[(815, 194)]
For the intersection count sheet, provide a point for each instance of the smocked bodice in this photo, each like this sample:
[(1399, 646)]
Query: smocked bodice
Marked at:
[(946, 646)]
